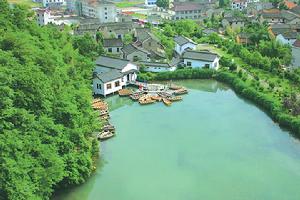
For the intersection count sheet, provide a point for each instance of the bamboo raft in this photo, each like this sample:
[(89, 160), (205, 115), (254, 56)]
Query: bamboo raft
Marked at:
[(124, 92)]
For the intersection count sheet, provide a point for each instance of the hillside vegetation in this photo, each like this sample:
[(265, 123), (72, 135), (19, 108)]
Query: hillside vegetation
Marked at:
[(46, 121)]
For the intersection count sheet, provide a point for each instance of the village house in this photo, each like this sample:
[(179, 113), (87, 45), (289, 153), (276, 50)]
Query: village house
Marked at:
[(201, 59), (117, 29), (112, 74), (285, 33), (187, 10), (274, 16), (235, 23), (239, 4), (146, 40), (113, 45), (133, 53), (271, 16), (105, 11), (182, 43), (43, 17)]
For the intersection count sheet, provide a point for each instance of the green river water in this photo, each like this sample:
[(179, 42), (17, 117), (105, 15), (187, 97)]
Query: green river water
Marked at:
[(213, 145)]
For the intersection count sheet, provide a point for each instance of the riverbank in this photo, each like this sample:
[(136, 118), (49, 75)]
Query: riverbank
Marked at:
[(242, 85)]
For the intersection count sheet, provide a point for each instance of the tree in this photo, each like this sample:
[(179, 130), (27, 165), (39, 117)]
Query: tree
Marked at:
[(163, 3), (128, 38), (221, 3), (46, 121)]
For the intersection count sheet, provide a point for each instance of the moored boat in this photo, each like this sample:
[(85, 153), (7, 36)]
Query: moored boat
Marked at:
[(174, 87), (180, 91), (167, 102), (109, 128), (125, 92), (146, 100), (156, 98), (175, 98), (106, 134)]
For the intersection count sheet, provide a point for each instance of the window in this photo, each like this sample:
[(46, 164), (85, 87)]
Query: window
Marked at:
[(189, 63), (119, 36), (117, 83), (99, 86), (108, 86), (118, 50), (105, 13), (206, 66), (109, 50), (105, 8), (105, 17)]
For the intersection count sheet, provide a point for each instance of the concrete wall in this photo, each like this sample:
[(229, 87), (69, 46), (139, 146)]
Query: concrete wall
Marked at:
[(201, 64), (296, 56), (159, 69)]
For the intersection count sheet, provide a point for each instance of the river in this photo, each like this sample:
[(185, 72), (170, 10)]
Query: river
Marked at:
[(213, 145)]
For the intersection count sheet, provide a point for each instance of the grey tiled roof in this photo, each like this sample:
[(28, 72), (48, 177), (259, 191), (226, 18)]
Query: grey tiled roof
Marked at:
[(200, 55), (110, 75), (113, 42), (181, 40), (113, 63), (130, 48)]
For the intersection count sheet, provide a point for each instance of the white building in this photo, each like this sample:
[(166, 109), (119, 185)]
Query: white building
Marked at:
[(201, 59), (53, 3), (112, 74), (113, 46), (43, 17), (239, 4), (150, 2), (103, 10), (182, 43)]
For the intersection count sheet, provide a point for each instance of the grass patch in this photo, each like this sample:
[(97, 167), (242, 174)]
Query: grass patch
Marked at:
[(28, 3), (128, 4)]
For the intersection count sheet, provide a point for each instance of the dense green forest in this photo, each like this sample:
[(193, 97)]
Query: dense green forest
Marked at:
[(46, 121)]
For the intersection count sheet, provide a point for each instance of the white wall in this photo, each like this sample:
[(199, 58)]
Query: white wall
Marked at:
[(160, 69), (114, 50), (129, 67), (104, 91), (55, 3), (281, 39), (180, 49), (201, 64)]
